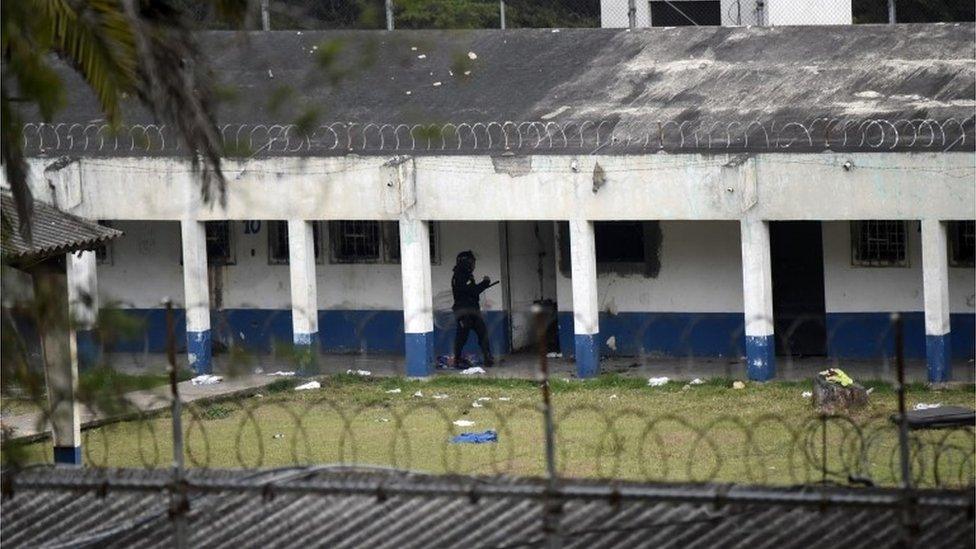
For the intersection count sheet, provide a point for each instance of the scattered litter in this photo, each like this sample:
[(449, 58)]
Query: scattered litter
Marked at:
[(925, 406), (419, 394), (472, 55), (394, 391), (476, 438), (258, 395), (446, 362), (696, 381), (467, 73), (482, 399), (473, 370), (477, 404), (450, 73), (504, 399), (464, 423), (870, 390), (281, 373), (308, 386), (413, 48), (838, 376), (439, 396), (278, 435), (437, 84), (738, 385), (612, 343), (383, 419), (362, 373), (807, 394), (613, 396), (657, 381), (259, 370), (206, 379), (422, 56), (554, 355), (270, 74), (409, 92), (555, 30)]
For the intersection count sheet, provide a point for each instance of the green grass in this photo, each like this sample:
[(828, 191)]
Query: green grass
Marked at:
[(608, 427)]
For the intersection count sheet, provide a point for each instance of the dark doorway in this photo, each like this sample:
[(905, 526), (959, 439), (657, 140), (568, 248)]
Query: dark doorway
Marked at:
[(799, 312), (686, 13)]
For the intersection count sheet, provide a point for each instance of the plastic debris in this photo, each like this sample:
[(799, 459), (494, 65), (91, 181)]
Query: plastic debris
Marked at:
[(613, 396), (463, 423), (394, 391), (362, 373), (206, 379), (436, 84), (838, 376), (473, 370), (807, 394), (483, 399), (504, 399), (738, 385), (419, 394), (308, 386), (554, 355), (657, 381), (422, 56), (258, 371), (439, 396), (870, 390), (258, 395), (383, 419), (472, 55), (282, 373), (926, 406), (475, 438), (696, 381), (413, 48), (477, 405), (278, 435), (612, 343)]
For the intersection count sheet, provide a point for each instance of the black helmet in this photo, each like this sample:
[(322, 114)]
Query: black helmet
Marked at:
[(466, 255)]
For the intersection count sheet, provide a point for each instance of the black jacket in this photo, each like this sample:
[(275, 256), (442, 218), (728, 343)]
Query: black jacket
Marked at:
[(466, 291)]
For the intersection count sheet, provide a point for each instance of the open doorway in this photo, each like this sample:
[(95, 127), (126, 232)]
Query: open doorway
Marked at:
[(799, 311)]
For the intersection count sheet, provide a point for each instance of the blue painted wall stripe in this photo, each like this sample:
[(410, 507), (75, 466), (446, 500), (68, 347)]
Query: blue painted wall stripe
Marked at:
[(761, 357), (68, 455), (89, 349), (938, 350), (199, 349), (587, 355), (419, 354)]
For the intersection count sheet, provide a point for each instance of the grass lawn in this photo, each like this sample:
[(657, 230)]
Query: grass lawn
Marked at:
[(609, 427)]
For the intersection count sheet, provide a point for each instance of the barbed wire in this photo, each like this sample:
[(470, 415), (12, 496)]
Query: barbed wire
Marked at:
[(592, 136)]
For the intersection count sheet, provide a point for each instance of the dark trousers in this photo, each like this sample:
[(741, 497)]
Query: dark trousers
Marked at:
[(465, 321)]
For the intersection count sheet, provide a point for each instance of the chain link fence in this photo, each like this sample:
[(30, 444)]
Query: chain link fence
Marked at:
[(510, 14)]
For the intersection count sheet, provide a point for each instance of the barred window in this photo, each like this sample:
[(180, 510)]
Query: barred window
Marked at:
[(961, 243), (103, 253), (622, 247), (278, 242), (356, 241), (220, 249), (877, 243)]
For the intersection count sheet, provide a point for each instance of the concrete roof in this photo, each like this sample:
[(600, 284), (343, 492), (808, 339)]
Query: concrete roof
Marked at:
[(79, 507), (856, 87)]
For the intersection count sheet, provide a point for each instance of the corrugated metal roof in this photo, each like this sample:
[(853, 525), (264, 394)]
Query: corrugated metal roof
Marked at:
[(223, 517), (53, 232)]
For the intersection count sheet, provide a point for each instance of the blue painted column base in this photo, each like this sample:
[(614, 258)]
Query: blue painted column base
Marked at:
[(587, 349), (89, 349), (760, 357), (199, 351), (938, 352), (306, 354), (67, 455), (419, 354)]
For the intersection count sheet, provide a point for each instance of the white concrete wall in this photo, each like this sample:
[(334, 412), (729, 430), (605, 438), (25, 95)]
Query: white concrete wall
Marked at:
[(701, 271), (851, 289), (146, 268), (808, 12), (742, 12)]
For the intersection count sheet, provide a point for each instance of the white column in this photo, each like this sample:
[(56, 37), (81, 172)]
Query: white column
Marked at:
[(304, 294), (418, 303), (935, 282), (757, 289), (586, 314), (60, 362), (196, 296), (83, 299)]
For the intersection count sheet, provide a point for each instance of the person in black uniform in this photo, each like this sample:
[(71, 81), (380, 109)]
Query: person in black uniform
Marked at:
[(467, 307)]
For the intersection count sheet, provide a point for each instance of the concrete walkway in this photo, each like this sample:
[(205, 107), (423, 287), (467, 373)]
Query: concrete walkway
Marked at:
[(253, 374)]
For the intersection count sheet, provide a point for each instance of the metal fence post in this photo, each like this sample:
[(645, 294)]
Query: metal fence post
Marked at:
[(178, 501), (389, 15), (501, 12), (550, 515), (892, 15), (265, 15), (632, 14)]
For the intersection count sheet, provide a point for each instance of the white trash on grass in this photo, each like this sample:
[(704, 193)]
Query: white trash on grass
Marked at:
[(657, 381), (477, 404), (394, 391), (473, 370), (308, 386), (696, 381), (483, 399), (363, 373), (926, 406), (282, 373), (806, 394), (504, 399), (439, 396), (738, 385), (463, 423), (419, 394), (206, 379)]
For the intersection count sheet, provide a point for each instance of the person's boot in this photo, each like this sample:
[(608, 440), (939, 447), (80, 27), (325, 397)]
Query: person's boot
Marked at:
[(489, 361)]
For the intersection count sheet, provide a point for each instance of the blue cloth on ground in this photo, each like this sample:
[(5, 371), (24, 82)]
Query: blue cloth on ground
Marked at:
[(476, 438)]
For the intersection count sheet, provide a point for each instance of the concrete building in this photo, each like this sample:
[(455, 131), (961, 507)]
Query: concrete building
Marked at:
[(726, 13), (692, 192)]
